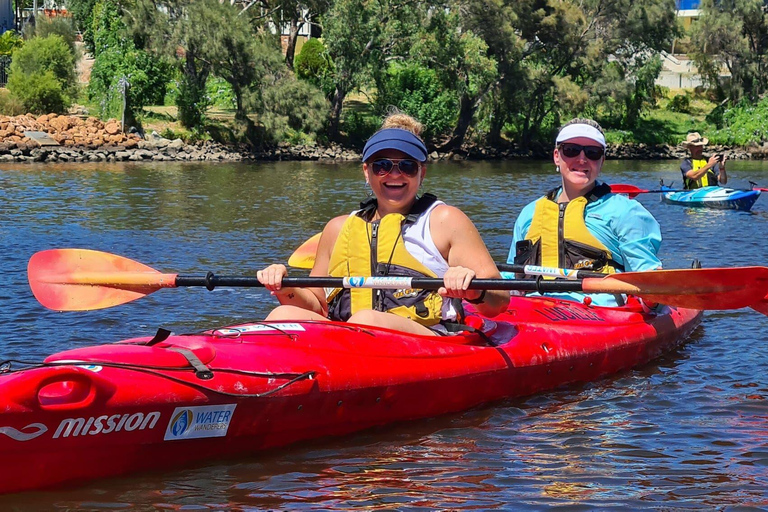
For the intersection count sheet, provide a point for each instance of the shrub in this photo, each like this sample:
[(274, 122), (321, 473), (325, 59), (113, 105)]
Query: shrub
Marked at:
[(10, 105), (291, 106), (42, 74), (416, 90), (680, 103), (58, 25), (9, 42), (39, 92), (117, 58), (312, 62)]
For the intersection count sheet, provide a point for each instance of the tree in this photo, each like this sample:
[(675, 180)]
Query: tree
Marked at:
[(360, 37), (733, 34)]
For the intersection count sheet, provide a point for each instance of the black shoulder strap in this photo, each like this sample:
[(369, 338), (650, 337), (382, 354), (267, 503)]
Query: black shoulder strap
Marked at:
[(421, 205), (367, 209), (552, 194), (598, 192)]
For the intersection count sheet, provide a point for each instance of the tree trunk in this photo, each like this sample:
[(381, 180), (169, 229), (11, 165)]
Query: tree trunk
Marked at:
[(467, 106), (290, 49), (336, 105)]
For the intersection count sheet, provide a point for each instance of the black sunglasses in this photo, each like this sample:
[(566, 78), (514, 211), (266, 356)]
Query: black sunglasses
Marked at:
[(572, 151), (384, 166)]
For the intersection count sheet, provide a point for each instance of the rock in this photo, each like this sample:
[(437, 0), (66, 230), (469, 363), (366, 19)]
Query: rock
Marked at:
[(112, 127)]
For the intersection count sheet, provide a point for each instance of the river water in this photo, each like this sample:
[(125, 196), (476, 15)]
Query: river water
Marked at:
[(686, 432)]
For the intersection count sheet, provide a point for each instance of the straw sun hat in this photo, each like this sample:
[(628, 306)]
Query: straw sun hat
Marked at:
[(694, 139)]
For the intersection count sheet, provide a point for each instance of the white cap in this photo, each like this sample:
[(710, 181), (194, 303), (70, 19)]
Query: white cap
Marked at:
[(580, 130)]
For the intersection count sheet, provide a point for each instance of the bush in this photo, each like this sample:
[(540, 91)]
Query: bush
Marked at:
[(416, 90), (742, 124), (39, 93), (10, 105), (117, 58), (58, 25), (312, 62), (680, 103), (9, 42), (359, 125), (42, 75), (291, 107)]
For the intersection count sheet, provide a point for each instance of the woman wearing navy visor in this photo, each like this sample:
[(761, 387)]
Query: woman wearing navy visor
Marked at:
[(581, 224), (394, 233)]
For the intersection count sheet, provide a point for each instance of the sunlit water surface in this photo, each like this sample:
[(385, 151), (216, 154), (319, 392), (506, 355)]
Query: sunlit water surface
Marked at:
[(688, 431)]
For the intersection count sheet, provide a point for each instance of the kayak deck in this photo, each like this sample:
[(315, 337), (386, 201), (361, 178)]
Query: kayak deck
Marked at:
[(166, 402), (714, 197)]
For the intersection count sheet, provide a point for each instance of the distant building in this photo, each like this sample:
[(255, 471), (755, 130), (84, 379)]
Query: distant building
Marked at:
[(688, 12), (678, 72), (7, 21)]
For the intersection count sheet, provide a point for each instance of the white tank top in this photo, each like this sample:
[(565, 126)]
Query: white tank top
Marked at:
[(418, 242)]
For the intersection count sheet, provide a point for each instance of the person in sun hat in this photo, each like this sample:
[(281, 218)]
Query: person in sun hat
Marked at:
[(580, 224), (395, 233), (698, 171)]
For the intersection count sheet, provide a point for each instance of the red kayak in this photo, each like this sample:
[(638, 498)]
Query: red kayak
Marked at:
[(168, 401)]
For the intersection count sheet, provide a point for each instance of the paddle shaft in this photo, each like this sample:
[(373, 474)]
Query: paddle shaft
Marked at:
[(211, 281), (535, 270)]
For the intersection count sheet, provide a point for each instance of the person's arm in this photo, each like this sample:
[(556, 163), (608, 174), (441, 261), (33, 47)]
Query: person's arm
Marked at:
[(639, 237), (312, 299), (460, 243), (694, 175), (722, 177)]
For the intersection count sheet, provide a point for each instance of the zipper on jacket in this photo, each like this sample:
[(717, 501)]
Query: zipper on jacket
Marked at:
[(561, 235)]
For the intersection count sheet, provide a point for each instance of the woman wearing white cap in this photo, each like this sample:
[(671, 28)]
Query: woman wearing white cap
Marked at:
[(581, 224), (394, 233)]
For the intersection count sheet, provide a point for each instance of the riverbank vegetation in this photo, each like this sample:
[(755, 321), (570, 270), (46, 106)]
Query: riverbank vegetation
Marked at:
[(502, 73)]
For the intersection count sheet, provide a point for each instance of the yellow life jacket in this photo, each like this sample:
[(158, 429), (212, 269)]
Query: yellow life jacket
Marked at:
[(366, 248), (558, 236), (708, 180)]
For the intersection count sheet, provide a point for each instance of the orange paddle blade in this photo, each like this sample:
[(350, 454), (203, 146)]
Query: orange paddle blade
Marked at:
[(701, 288), (304, 256), (82, 279), (630, 190)]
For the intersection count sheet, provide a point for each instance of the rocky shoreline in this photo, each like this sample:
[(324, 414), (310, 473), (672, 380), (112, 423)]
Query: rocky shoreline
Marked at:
[(52, 138)]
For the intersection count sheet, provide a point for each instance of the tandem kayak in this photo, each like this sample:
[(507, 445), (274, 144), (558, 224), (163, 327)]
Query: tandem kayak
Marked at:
[(172, 400), (713, 197)]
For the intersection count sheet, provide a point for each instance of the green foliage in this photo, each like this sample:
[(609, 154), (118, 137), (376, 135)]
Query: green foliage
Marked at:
[(360, 124), (117, 58), (39, 93), (42, 75), (743, 124), (733, 38), (10, 41), (416, 90), (313, 62), (192, 102), (680, 103), (10, 105), (58, 25), (82, 14), (219, 93), (292, 107)]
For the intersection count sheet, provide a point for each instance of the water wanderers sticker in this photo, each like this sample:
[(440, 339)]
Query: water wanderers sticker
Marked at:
[(272, 327), (198, 422), (383, 282)]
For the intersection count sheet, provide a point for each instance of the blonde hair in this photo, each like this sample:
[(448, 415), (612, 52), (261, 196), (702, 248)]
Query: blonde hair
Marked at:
[(584, 120), (397, 119)]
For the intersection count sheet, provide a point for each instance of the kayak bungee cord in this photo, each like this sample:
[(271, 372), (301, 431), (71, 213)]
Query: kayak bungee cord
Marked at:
[(6, 368)]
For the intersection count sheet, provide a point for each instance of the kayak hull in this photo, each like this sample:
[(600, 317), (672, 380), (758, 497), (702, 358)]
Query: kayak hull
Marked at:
[(720, 198), (120, 408)]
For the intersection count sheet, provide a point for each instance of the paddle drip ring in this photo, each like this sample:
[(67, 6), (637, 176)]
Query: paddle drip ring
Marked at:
[(209, 281)]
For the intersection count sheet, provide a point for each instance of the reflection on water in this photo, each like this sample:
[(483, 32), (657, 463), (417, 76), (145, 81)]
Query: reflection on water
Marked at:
[(687, 432)]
